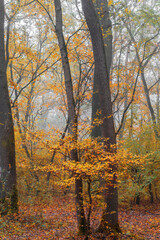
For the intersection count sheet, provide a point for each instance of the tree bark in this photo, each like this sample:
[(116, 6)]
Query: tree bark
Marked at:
[(109, 220), (102, 11), (7, 144)]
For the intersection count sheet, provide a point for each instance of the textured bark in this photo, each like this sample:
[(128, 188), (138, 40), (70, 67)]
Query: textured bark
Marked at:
[(101, 77), (101, 81), (101, 7), (102, 11), (71, 115), (7, 145)]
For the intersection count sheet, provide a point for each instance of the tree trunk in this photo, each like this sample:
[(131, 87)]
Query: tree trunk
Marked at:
[(72, 117), (109, 220), (157, 104), (125, 95), (151, 193), (131, 123), (7, 145), (151, 110), (102, 11)]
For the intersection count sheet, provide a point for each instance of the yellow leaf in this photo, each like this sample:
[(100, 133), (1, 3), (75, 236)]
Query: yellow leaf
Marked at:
[(110, 2)]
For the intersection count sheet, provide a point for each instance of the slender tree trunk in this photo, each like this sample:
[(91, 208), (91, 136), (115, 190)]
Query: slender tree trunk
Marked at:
[(151, 193), (125, 94), (7, 145), (101, 80), (157, 105), (71, 115), (149, 102), (131, 123)]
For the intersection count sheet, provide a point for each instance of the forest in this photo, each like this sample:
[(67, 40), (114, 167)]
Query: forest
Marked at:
[(79, 119)]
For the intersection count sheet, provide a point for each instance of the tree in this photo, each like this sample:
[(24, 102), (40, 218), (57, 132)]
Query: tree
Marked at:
[(101, 81), (7, 145), (72, 116)]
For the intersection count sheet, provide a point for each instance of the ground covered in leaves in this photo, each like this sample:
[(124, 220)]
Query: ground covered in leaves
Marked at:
[(57, 220)]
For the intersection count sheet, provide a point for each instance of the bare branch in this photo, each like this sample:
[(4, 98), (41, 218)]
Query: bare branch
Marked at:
[(132, 99), (153, 84)]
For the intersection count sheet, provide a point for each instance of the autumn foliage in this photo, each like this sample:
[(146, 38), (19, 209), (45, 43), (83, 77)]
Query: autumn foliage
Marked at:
[(45, 138)]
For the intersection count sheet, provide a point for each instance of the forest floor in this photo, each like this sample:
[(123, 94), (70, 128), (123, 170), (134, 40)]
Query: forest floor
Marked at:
[(58, 221)]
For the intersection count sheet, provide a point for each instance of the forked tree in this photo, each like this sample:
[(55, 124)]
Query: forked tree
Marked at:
[(109, 220)]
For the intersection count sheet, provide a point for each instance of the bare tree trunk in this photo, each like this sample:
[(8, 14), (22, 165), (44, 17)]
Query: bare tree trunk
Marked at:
[(101, 8), (125, 94), (153, 117), (157, 105), (101, 80), (7, 145), (102, 11), (131, 123), (151, 193), (71, 115)]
